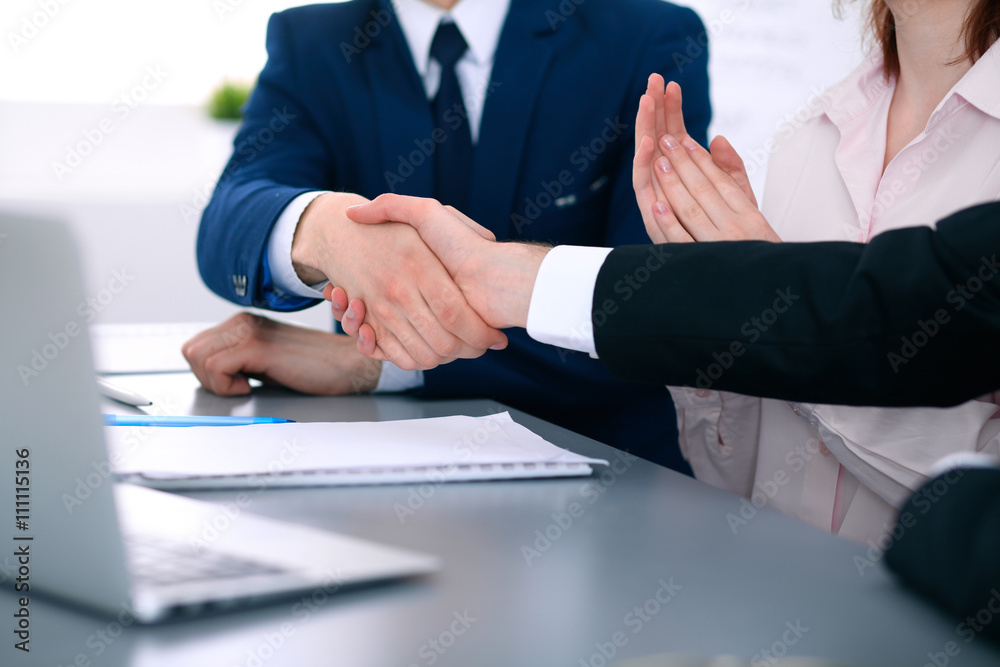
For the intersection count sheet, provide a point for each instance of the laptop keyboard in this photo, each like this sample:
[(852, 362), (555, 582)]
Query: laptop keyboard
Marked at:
[(155, 561)]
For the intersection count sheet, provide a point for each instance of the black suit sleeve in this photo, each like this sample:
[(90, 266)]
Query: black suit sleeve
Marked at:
[(946, 546), (912, 318)]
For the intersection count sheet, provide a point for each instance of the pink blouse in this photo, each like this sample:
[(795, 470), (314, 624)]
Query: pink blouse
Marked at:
[(847, 469)]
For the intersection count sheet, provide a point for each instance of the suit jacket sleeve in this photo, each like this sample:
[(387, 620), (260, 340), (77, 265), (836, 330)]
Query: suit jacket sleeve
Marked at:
[(278, 155), (913, 318), (946, 546)]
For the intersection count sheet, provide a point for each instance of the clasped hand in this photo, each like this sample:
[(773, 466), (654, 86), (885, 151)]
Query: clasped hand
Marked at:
[(496, 279), (420, 317), (684, 192), (419, 314)]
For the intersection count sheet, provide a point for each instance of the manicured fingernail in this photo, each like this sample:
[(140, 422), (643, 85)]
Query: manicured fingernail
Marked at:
[(500, 346), (670, 143), (690, 144), (355, 207), (664, 165), (361, 336), (350, 313), (660, 208)]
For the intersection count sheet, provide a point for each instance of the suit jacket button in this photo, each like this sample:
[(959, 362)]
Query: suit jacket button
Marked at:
[(240, 285)]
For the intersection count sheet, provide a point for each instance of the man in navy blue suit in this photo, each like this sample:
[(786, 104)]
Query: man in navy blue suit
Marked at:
[(518, 112)]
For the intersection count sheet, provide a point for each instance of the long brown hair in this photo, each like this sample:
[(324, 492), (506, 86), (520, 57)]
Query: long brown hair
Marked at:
[(981, 29)]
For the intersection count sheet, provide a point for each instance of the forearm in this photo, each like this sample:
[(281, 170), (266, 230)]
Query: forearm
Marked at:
[(826, 323), (500, 288), (315, 244)]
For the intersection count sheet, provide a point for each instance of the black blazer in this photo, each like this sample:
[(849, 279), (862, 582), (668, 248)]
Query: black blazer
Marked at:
[(912, 318), (947, 546)]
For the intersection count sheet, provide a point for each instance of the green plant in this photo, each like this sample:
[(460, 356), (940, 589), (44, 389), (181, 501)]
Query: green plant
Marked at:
[(228, 100)]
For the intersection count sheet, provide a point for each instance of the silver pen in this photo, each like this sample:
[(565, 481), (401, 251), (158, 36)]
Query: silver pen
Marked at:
[(121, 394)]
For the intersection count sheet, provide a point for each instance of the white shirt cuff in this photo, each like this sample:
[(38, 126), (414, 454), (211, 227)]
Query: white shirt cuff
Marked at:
[(563, 297), (962, 460), (279, 251), (394, 378)]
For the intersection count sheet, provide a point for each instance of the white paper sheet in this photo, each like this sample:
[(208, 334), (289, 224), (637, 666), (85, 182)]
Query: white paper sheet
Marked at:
[(142, 348), (455, 443)]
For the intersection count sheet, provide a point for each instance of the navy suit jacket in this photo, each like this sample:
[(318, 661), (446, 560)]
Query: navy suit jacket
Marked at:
[(340, 106)]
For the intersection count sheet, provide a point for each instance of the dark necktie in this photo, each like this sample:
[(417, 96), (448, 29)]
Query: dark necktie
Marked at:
[(453, 157)]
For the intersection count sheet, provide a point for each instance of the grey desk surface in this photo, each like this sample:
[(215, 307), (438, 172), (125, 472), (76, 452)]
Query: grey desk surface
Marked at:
[(649, 560)]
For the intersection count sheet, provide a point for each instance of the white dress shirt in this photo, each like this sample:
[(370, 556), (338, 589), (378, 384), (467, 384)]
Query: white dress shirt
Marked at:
[(563, 296), (481, 22)]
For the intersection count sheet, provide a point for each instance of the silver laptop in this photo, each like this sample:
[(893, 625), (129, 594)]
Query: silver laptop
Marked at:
[(111, 546)]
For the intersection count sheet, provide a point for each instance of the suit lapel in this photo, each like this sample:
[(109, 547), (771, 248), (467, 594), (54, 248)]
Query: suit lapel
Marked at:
[(402, 114), (524, 55)]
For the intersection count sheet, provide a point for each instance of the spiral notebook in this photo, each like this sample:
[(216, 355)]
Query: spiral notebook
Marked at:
[(443, 449)]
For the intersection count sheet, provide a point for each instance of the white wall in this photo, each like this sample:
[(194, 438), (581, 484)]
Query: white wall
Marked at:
[(101, 124), (769, 58), (132, 199), (93, 50)]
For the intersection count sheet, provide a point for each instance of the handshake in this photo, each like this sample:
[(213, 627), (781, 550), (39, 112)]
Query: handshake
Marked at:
[(684, 192), (437, 325), (428, 284), (420, 284)]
